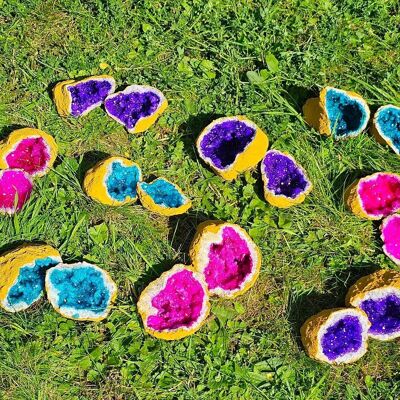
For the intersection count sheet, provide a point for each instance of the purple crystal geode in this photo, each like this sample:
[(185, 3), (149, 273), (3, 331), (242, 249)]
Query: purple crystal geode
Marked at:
[(232, 145), (285, 181), (88, 95), (378, 295), (136, 107), (78, 97), (337, 335), (225, 141)]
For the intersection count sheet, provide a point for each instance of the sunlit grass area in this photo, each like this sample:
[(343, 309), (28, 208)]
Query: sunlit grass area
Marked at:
[(262, 59)]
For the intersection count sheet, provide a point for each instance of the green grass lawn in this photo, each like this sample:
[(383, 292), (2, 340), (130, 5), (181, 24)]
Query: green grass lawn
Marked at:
[(210, 58)]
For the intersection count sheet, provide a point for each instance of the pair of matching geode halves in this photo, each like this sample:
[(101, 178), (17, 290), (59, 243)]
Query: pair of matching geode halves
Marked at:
[(225, 262), (375, 197), (78, 291), (116, 181), (232, 145), (24, 155), (343, 114), (137, 107), (340, 335)]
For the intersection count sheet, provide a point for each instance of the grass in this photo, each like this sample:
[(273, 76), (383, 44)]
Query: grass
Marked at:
[(210, 58)]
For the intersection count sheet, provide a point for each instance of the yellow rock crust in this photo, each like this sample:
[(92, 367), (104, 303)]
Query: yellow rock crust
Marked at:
[(210, 232), (383, 278), (315, 114), (247, 159), (16, 136), (279, 200), (13, 260), (148, 202), (94, 183), (145, 308)]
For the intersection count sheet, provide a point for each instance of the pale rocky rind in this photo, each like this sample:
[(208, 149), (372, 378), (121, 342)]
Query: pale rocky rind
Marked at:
[(210, 232), (13, 260), (380, 281), (146, 309), (313, 327)]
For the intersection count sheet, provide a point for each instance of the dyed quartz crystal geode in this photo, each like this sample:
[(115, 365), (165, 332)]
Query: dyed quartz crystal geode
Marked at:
[(78, 97), (337, 112), (113, 181), (386, 126), (378, 295), (137, 107), (22, 272), (29, 149), (175, 305), (80, 291), (390, 235), (232, 145), (15, 190), (163, 197), (374, 196), (336, 336), (285, 182), (227, 257)]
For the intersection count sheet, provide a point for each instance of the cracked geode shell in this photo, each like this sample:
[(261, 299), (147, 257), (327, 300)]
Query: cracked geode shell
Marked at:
[(232, 145), (390, 235), (80, 291), (29, 149), (15, 190), (175, 305), (227, 257), (163, 197), (285, 181), (378, 295), (22, 272), (386, 126), (336, 336), (78, 97), (374, 196), (113, 181), (137, 107), (337, 112)]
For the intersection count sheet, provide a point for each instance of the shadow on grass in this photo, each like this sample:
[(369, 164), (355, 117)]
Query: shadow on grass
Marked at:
[(182, 229), (307, 305), (89, 160), (344, 180), (150, 275), (6, 130), (191, 130), (298, 95)]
